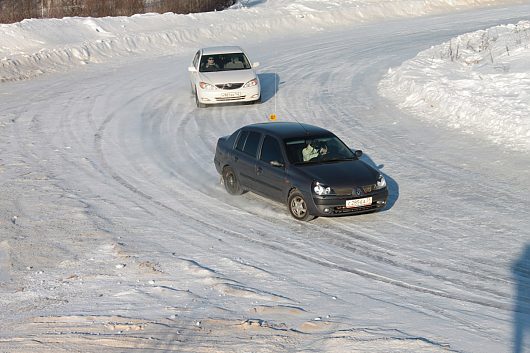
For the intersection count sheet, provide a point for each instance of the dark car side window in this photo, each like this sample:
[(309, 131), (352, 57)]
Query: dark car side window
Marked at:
[(270, 150), (241, 140), (248, 142), (252, 143)]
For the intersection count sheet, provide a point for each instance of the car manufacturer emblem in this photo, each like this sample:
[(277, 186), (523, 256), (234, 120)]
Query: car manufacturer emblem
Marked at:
[(229, 85), (358, 191)]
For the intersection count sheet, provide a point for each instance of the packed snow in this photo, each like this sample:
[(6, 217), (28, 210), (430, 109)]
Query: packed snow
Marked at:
[(117, 236), (478, 82)]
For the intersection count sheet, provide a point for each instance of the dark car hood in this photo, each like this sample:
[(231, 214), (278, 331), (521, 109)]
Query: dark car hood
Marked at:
[(342, 173)]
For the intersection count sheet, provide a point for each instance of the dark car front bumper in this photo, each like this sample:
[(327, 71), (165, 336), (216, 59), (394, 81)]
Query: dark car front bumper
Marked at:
[(329, 206)]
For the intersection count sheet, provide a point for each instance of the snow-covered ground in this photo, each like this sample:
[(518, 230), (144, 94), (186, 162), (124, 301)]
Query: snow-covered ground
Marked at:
[(116, 236), (478, 82)]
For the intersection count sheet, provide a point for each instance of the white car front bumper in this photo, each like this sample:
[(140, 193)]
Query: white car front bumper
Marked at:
[(248, 94)]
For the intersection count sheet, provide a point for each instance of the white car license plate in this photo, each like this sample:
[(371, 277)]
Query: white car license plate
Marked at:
[(231, 94), (366, 201)]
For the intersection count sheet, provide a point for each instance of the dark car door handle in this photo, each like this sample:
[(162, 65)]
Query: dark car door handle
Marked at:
[(259, 170)]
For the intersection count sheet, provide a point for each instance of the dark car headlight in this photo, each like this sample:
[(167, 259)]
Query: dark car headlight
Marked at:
[(322, 189), (381, 182)]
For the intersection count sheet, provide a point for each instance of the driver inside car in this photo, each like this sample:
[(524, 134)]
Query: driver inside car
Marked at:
[(310, 151)]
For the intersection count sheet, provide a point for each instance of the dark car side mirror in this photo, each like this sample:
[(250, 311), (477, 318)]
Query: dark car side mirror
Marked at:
[(358, 153), (276, 164)]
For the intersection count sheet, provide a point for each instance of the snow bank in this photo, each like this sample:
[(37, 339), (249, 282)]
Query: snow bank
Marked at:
[(477, 82), (32, 47)]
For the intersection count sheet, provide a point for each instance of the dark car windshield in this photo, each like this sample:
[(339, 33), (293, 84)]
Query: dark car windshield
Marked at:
[(224, 62), (320, 149)]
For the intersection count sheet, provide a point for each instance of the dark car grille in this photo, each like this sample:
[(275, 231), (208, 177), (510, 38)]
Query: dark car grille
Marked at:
[(345, 210), (368, 188), (229, 85), (353, 190)]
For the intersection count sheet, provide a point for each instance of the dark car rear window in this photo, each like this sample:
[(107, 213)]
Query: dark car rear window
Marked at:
[(241, 140), (232, 139)]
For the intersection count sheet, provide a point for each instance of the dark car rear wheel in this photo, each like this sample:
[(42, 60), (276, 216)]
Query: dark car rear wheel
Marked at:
[(298, 207), (230, 182)]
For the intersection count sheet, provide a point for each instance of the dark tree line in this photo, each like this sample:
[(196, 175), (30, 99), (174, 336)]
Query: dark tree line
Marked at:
[(17, 10)]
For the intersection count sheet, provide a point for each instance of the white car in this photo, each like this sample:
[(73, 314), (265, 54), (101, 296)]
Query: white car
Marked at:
[(223, 75)]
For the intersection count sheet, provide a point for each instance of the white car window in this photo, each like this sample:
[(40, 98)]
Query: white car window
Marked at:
[(224, 62), (196, 59)]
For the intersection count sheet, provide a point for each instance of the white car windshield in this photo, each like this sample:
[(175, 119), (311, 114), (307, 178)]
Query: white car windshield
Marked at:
[(224, 62)]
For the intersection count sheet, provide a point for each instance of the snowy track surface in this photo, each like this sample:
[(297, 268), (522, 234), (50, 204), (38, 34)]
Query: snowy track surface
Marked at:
[(124, 239)]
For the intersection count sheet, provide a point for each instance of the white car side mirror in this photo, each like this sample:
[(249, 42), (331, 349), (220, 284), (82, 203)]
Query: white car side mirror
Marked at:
[(192, 69), (256, 64)]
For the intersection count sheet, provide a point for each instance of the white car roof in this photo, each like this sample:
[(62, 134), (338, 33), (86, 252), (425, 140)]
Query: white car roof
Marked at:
[(221, 50)]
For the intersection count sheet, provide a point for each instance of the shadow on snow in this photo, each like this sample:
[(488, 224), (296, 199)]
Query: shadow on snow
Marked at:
[(521, 311), (392, 185)]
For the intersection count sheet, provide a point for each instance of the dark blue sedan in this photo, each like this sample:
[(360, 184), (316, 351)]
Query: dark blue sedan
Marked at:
[(305, 166)]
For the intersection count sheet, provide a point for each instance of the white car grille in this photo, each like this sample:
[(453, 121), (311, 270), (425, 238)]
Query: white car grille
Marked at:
[(229, 85), (229, 99)]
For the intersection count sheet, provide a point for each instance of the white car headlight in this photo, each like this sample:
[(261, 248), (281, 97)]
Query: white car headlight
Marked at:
[(321, 189), (251, 83), (381, 182), (206, 85)]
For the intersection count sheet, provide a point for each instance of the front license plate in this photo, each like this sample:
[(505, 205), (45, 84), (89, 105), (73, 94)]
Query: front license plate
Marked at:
[(366, 201), (231, 94)]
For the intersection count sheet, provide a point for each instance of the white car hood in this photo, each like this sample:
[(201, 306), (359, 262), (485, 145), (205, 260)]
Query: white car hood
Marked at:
[(234, 76)]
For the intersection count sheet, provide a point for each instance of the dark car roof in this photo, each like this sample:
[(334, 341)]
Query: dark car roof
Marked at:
[(285, 130)]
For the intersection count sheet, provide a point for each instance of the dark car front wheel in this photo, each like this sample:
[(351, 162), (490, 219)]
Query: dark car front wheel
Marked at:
[(298, 207), (230, 182)]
